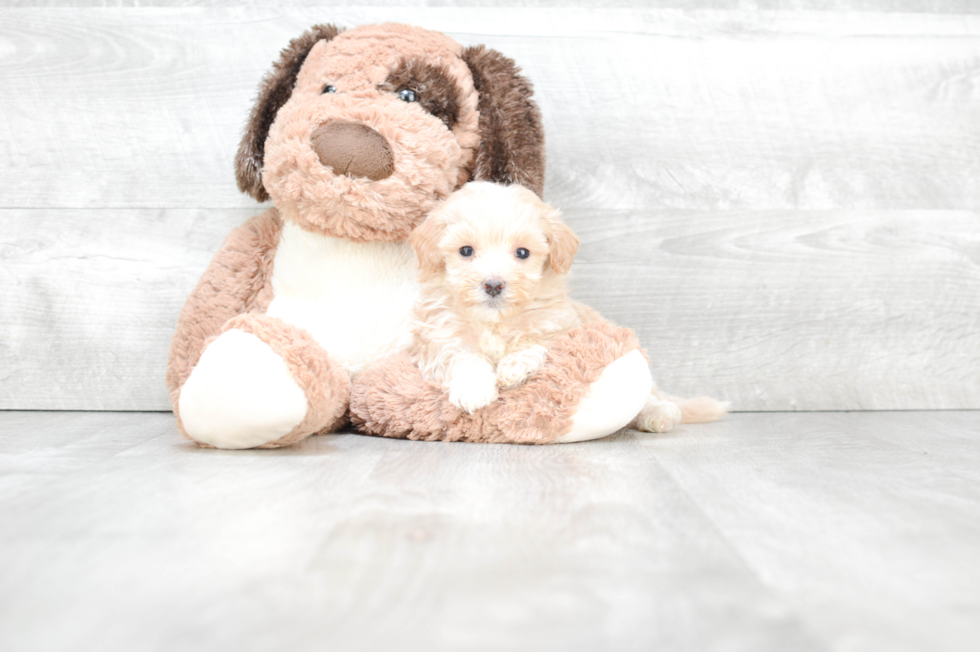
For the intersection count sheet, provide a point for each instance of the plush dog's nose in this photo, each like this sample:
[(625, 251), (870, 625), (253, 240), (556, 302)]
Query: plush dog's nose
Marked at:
[(353, 149), (493, 287)]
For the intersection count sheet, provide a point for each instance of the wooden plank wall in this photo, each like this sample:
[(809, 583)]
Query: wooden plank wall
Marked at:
[(782, 203)]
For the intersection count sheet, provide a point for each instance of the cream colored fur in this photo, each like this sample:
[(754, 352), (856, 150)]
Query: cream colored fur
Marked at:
[(470, 341), (354, 298)]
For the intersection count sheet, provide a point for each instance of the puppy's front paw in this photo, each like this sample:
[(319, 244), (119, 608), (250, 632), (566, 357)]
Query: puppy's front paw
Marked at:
[(472, 392), (658, 417), (517, 367), (471, 383)]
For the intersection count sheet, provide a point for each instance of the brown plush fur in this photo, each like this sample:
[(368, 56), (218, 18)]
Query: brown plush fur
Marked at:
[(433, 85), (434, 144), (326, 384), (391, 399), (512, 146), (474, 119), (236, 281), (274, 91), (429, 158)]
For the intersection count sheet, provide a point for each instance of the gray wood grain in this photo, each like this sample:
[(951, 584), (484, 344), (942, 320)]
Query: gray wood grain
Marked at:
[(910, 6), (782, 203), (770, 310), (836, 512), (91, 299), (777, 310), (761, 532), (651, 108)]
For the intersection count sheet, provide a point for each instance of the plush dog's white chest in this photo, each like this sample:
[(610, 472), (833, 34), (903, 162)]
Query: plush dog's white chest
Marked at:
[(355, 299)]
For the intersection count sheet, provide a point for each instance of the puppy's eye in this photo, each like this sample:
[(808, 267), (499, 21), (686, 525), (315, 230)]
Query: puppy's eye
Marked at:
[(329, 88), (522, 253), (466, 252), (407, 95)]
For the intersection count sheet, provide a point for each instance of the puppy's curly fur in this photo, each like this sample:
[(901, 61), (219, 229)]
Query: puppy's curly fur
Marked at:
[(493, 261)]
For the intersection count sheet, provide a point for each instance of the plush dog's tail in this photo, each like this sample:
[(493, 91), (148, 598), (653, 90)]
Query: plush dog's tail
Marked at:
[(701, 409)]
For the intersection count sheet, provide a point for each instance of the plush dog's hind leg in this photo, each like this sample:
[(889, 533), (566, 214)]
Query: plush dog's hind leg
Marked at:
[(613, 400), (261, 383), (594, 383)]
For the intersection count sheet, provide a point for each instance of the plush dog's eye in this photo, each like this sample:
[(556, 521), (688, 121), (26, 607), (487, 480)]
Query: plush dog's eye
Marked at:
[(435, 88), (466, 252), (522, 253), (329, 88)]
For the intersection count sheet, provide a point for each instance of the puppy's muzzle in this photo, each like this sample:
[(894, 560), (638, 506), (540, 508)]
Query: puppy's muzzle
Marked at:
[(493, 286), (354, 149)]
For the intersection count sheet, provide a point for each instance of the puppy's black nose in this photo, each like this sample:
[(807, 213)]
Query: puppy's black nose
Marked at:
[(493, 287)]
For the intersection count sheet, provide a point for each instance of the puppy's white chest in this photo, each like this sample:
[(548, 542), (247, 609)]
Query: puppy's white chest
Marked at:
[(355, 299)]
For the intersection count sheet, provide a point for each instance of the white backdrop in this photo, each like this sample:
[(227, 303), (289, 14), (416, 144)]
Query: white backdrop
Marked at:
[(782, 203)]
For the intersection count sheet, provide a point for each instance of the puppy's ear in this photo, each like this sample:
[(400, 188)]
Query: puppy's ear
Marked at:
[(425, 241), (274, 91), (562, 243), (512, 139)]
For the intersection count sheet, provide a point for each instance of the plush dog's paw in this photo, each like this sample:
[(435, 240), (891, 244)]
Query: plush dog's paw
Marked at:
[(240, 394), (517, 367), (658, 416)]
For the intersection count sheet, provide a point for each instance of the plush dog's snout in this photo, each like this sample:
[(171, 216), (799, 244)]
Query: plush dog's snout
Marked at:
[(493, 286), (353, 149)]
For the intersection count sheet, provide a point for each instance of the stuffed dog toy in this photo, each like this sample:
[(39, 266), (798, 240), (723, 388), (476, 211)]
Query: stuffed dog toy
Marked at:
[(301, 323)]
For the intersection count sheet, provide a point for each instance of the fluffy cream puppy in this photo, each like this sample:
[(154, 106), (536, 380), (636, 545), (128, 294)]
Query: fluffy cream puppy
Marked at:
[(493, 261)]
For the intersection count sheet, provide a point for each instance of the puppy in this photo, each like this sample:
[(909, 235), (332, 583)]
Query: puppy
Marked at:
[(493, 261)]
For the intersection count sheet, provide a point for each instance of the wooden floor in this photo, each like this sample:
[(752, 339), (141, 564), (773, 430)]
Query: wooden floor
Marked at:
[(778, 531)]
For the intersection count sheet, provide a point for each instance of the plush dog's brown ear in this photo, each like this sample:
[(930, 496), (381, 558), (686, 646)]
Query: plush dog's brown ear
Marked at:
[(512, 146), (274, 91), (562, 244), (425, 241)]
